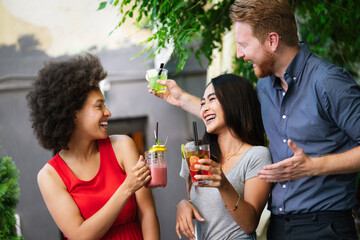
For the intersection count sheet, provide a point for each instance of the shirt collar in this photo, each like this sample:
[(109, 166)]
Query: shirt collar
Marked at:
[(295, 67)]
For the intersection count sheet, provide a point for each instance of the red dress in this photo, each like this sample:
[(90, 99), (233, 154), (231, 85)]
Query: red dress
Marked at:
[(91, 195)]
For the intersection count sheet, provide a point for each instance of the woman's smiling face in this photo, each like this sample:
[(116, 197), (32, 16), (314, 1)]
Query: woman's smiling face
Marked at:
[(93, 117), (211, 111)]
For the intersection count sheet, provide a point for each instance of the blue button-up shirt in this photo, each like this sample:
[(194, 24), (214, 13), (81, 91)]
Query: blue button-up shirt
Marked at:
[(320, 112)]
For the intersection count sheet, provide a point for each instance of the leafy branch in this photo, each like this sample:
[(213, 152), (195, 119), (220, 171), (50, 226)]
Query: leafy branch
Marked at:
[(189, 25), (196, 27)]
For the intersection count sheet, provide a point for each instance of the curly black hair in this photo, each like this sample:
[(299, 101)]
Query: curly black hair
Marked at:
[(58, 92)]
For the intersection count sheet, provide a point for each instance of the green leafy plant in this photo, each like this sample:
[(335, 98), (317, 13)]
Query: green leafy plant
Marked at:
[(182, 23), (196, 26), (9, 193), (331, 28)]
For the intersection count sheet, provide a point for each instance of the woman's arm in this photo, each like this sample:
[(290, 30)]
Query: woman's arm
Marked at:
[(248, 211), (184, 219), (66, 213), (245, 211), (147, 214), (128, 154)]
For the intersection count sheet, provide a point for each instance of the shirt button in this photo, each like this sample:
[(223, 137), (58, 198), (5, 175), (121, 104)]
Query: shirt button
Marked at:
[(284, 140), (294, 78), (283, 93), (284, 186), (280, 209), (283, 116)]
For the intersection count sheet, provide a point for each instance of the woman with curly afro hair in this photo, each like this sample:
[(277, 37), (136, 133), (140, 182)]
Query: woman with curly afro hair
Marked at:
[(94, 186)]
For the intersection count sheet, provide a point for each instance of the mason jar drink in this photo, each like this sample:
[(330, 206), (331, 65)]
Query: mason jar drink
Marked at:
[(155, 160)]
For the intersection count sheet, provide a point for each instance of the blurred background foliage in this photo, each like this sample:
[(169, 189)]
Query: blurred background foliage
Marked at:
[(9, 194), (330, 28)]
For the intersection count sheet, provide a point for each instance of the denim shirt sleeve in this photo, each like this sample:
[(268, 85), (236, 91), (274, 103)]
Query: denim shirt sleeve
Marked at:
[(341, 101)]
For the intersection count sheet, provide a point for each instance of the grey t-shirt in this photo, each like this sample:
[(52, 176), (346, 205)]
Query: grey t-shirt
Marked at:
[(218, 223)]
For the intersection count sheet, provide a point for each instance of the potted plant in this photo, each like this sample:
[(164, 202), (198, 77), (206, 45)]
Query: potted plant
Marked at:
[(9, 194)]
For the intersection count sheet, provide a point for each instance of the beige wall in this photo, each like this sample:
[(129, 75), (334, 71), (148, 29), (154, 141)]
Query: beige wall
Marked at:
[(222, 61), (65, 26), (12, 27)]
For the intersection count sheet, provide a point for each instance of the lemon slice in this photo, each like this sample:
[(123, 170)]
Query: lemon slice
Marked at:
[(158, 148), (183, 151), (150, 74)]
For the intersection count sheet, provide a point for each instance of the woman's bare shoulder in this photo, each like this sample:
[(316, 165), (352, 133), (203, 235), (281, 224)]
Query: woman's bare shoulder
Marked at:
[(49, 176), (125, 149), (120, 140)]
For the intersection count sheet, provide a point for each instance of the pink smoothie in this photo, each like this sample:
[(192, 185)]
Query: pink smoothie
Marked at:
[(158, 177)]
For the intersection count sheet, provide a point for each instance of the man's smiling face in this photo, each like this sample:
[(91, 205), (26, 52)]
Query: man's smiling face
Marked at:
[(250, 49)]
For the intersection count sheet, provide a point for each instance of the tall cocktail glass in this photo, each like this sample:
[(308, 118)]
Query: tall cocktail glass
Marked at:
[(192, 155)]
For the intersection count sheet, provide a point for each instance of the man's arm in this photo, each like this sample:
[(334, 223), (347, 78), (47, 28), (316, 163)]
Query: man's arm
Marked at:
[(174, 95), (301, 165)]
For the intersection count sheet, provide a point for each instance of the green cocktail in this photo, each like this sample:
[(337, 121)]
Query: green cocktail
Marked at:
[(153, 75)]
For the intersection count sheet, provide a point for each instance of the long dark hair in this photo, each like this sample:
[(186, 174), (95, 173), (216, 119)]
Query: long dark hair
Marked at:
[(242, 112)]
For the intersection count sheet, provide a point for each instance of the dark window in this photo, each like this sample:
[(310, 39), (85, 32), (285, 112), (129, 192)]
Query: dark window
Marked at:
[(133, 127)]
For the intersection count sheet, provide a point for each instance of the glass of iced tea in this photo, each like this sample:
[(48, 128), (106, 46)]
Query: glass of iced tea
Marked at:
[(192, 155)]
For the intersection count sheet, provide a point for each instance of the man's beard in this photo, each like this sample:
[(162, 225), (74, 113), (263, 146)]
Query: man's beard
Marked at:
[(265, 68)]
